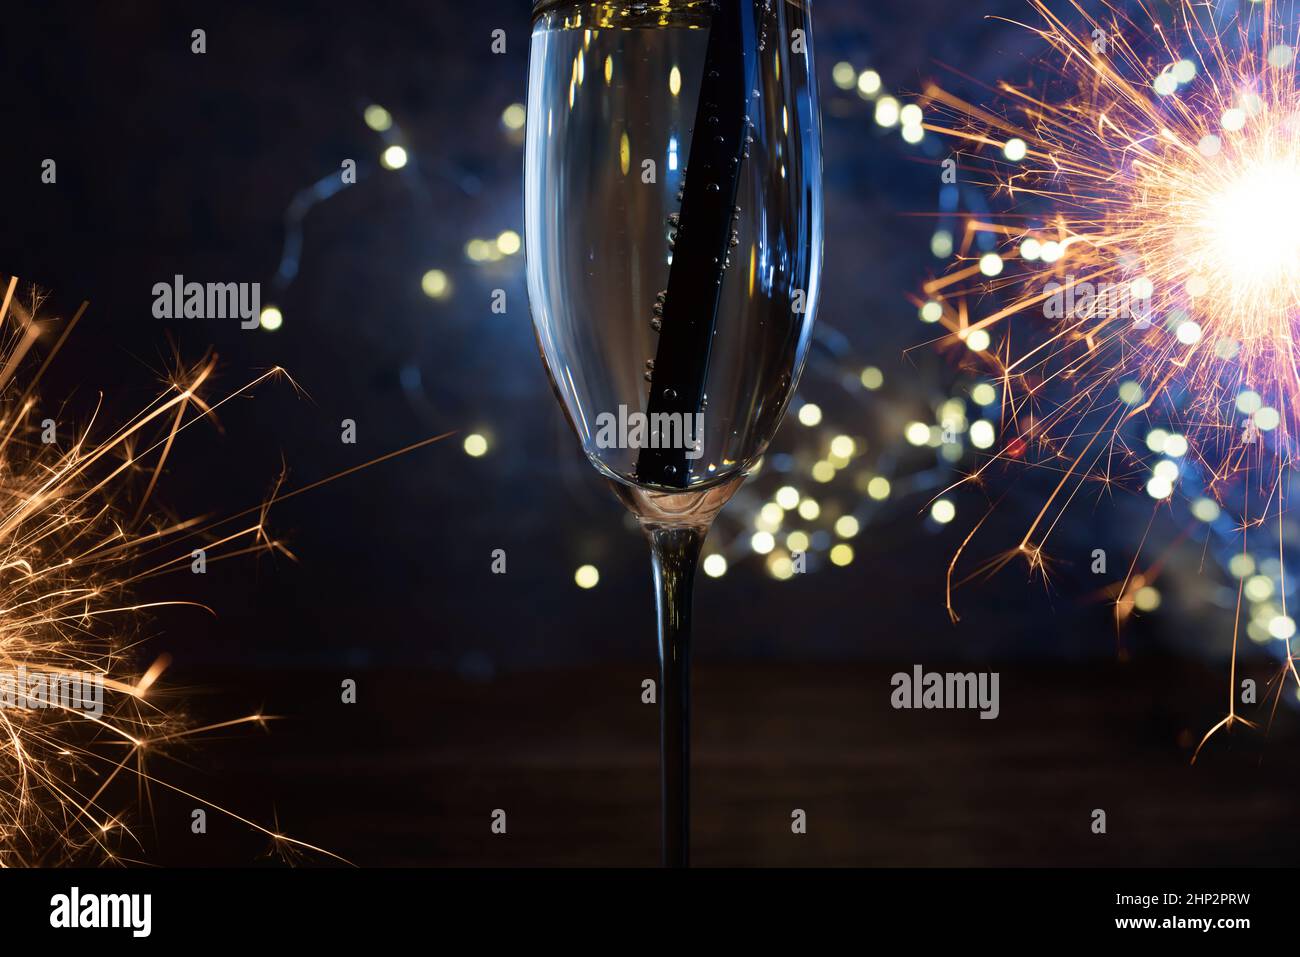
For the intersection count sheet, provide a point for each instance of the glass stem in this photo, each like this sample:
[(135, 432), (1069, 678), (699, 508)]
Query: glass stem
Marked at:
[(675, 552)]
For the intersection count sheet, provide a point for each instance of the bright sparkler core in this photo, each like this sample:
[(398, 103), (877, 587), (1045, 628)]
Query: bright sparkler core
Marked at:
[(1180, 184), (1253, 227), (1219, 234)]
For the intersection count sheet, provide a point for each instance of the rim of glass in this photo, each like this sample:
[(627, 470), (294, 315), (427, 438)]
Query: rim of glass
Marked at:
[(639, 6)]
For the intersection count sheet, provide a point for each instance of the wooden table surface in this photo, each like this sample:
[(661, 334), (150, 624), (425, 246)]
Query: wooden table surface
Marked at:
[(411, 773)]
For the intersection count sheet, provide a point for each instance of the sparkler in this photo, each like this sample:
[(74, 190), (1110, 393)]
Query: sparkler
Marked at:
[(77, 532), (1147, 266)]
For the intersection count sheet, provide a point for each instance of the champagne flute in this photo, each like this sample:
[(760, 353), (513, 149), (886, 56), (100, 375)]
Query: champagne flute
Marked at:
[(673, 217)]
